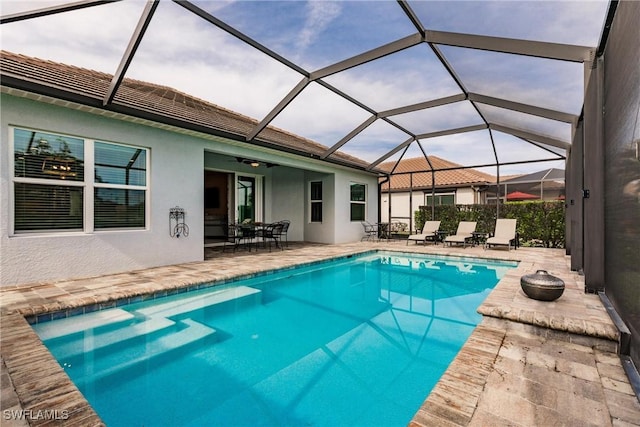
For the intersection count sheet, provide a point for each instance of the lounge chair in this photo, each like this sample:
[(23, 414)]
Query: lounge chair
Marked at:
[(504, 234), (465, 232), (429, 232)]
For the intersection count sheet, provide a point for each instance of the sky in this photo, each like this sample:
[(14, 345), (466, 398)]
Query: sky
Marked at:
[(183, 51)]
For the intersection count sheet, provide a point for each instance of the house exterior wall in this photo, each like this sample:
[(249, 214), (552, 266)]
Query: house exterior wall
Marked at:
[(288, 200), (320, 232), (465, 196), (345, 229), (176, 178), (404, 207)]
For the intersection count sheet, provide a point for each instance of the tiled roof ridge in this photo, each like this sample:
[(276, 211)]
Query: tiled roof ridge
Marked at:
[(448, 163), (282, 137), (447, 174)]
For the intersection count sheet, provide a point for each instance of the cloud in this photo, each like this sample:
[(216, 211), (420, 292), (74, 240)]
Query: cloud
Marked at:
[(83, 37), (559, 21), (319, 16)]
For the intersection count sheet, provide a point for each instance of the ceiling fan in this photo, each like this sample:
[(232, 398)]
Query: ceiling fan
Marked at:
[(254, 163)]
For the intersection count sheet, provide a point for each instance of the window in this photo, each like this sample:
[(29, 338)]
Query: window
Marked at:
[(358, 202), (316, 201), (440, 199), (56, 189), (120, 180)]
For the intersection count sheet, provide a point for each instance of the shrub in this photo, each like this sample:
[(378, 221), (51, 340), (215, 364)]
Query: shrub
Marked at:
[(540, 223)]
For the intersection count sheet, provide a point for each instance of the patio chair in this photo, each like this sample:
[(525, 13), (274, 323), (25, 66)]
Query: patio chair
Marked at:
[(272, 232), (505, 233), (243, 234), (464, 233), (234, 236), (429, 232), (284, 231), (370, 231)]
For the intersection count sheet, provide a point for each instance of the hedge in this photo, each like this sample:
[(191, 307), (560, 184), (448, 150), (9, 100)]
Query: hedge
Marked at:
[(540, 223)]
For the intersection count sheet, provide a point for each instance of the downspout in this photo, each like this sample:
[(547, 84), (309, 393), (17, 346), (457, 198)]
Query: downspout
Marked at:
[(389, 205), (380, 184), (433, 194), (433, 182), (495, 154), (410, 202)]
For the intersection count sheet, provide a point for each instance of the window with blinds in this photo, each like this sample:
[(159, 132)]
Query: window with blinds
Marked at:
[(120, 183), (56, 189)]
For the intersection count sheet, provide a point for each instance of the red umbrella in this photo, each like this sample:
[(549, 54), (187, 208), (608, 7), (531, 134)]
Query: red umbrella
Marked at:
[(519, 195)]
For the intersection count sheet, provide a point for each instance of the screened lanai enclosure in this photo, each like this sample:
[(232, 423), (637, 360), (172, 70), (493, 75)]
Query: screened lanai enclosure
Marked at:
[(378, 80), (503, 87)]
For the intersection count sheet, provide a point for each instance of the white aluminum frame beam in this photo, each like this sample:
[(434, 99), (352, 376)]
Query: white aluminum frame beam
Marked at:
[(132, 47), (423, 105), (52, 10), (530, 135), (368, 56), (349, 136), (464, 129), (524, 108), (278, 108), (558, 51), (391, 153)]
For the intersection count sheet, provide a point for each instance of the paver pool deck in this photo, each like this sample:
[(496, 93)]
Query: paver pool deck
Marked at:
[(529, 363)]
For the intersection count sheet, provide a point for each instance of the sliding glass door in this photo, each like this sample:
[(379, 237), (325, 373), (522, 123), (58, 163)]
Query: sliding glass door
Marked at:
[(248, 198)]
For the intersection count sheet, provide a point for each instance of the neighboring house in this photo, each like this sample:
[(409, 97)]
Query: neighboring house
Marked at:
[(408, 189), (88, 188), (547, 184)]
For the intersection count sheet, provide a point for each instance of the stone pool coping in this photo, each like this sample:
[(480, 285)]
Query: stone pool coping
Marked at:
[(575, 320)]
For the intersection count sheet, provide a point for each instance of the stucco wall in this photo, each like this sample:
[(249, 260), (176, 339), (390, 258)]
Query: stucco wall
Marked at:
[(321, 232), (176, 179), (345, 229), (288, 200), (402, 206), (465, 196)]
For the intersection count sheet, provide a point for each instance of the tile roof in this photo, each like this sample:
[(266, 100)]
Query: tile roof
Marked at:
[(401, 180), (151, 101)]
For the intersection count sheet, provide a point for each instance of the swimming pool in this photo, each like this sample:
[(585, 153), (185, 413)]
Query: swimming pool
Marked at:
[(358, 341)]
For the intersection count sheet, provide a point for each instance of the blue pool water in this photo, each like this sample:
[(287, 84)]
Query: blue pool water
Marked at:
[(358, 341)]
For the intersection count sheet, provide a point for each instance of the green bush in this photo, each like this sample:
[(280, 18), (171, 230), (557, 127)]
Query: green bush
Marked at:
[(539, 223)]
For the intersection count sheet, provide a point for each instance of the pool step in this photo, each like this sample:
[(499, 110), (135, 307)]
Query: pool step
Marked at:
[(126, 340), (86, 343), (71, 325), (135, 358), (185, 305)]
